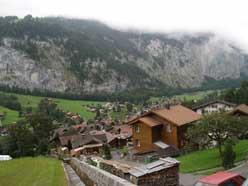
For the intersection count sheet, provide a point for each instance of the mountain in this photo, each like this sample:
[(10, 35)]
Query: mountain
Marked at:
[(88, 57)]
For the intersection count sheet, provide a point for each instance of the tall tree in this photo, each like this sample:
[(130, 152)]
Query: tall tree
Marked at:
[(214, 128)]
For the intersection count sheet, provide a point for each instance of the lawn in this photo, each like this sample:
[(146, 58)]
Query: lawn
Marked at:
[(76, 106), (32, 172), (11, 115), (206, 159)]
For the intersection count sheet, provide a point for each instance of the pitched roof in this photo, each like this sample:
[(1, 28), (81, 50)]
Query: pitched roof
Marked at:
[(110, 137), (151, 122), (161, 164), (218, 178), (213, 102), (85, 140), (241, 108), (178, 115), (123, 131), (100, 135), (65, 139)]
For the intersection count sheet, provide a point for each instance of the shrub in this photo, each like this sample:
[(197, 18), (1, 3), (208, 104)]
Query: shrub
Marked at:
[(106, 153), (228, 156)]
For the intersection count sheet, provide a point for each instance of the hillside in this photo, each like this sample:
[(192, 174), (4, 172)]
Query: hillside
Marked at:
[(75, 106), (89, 58)]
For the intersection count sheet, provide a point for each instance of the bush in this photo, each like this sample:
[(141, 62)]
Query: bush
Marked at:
[(228, 156), (106, 153), (124, 151)]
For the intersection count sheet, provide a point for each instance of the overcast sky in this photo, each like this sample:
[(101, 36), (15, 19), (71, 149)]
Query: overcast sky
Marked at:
[(226, 17)]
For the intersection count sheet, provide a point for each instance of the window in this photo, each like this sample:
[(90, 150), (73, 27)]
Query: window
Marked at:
[(168, 128), (137, 128), (137, 143), (230, 183)]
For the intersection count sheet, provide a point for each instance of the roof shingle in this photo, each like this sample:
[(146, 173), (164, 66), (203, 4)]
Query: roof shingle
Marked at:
[(178, 115), (150, 121), (241, 108)]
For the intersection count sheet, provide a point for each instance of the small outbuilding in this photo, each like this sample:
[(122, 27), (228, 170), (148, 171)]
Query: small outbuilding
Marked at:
[(162, 172)]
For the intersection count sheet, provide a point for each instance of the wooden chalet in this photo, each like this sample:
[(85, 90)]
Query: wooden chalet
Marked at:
[(162, 128)]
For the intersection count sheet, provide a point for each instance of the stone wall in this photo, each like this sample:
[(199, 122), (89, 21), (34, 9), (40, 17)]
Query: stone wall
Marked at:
[(116, 169), (94, 176)]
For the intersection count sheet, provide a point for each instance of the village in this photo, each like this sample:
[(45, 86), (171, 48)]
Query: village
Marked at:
[(142, 149), (123, 93)]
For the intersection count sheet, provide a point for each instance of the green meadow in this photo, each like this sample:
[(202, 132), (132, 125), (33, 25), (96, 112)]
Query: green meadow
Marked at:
[(39, 171), (11, 115), (75, 106)]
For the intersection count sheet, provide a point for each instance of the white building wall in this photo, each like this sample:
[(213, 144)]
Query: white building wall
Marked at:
[(215, 107)]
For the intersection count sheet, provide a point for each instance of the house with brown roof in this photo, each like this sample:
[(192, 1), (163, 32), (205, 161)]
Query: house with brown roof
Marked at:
[(162, 128), (241, 110)]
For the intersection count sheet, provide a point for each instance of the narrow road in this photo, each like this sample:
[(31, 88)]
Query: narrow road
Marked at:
[(241, 169), (190, 179)]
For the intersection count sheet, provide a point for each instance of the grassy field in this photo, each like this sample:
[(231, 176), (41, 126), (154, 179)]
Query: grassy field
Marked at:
[(11, 115), (193, 96), (76, 106), (32, 172), (206, 159)]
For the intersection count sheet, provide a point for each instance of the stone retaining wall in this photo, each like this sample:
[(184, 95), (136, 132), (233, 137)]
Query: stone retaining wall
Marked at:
[(116, 169), (94, 176)]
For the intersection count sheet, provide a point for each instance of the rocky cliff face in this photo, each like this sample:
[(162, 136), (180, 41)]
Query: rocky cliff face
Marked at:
[(188, 63), (86, 57), (18, 69)]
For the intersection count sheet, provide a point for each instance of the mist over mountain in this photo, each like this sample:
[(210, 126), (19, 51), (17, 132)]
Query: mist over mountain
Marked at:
[(87, 57)]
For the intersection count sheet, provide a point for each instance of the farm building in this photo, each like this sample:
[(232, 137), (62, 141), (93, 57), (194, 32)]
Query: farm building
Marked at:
[(162, 172)]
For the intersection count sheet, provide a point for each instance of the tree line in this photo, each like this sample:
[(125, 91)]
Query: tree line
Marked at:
[(31, 136)]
